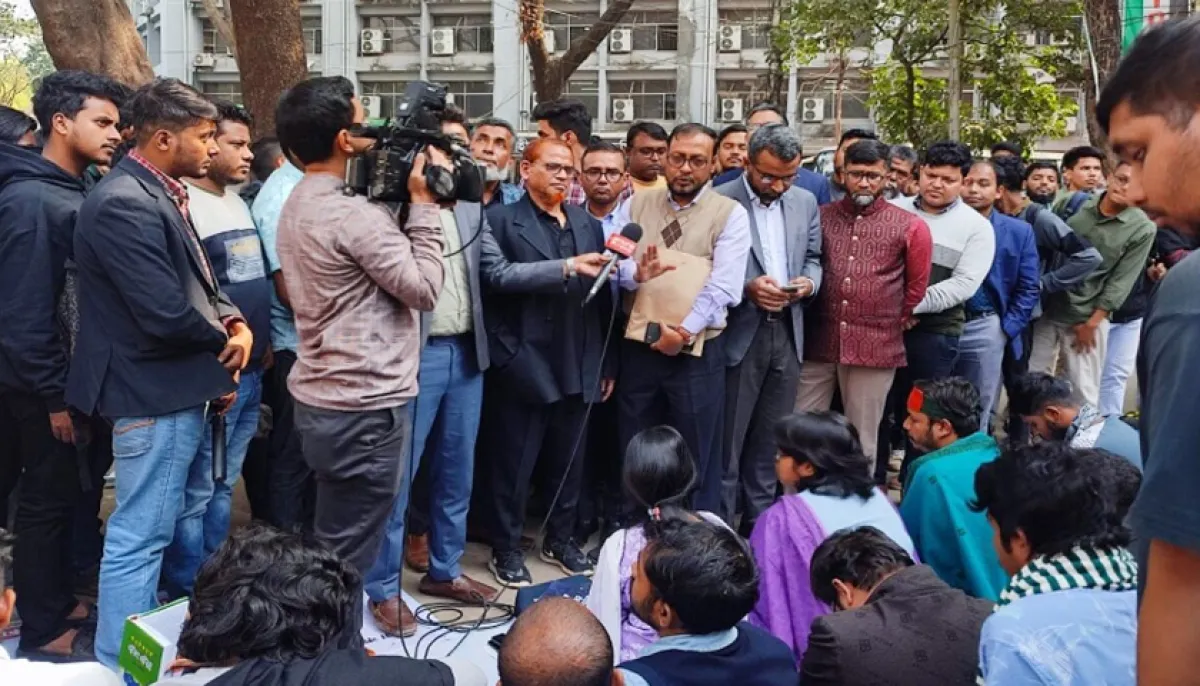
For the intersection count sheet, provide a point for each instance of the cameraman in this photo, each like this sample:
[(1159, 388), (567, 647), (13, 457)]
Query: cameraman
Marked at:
[(356, 280)]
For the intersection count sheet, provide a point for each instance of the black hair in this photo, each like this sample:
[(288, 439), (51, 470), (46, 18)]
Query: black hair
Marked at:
[(1040, 164), (453, 114), (867, 151), (704, 572), (1031, 393), (831, 445), (860, 134), (693, 129), (1008, 146), (1010, 172), (312, 113), (228, 111), (267, 152), (861, 556), (767, 107), (601, 145), (659, 469), (729, 131), (1082, 152), (959, 401), (168, 104), (556, 642), (1060, 497), (948, 154), (1157, 75), (268, 593), (14, 124), (648, 128), (65, 92), (7, 541), (564, 116)]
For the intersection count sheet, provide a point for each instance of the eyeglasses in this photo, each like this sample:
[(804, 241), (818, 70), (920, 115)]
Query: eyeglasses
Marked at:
[(771, 179), (873, 177), (678, 159), (559, 169), (651, 152), (611, 175)]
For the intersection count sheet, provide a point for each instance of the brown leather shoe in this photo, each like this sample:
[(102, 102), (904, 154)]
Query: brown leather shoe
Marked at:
[(416, 553), (464, 589), (394, 618)]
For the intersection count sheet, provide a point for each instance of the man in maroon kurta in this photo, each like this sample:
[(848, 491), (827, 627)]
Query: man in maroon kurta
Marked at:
[(876, 259)]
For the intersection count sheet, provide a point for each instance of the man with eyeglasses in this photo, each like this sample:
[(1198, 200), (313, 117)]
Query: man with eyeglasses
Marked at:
[(659, 374), (839, 185), (765, 335), (646, 145), (876, 258), (605, 182), (769, 113)]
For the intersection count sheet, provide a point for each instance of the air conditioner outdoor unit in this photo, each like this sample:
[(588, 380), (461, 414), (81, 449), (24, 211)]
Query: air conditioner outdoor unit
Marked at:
[(731, 109), (371, 106), (370, 41), (729, 39), (622, 110), (548, 41), (204, 59), (441, 42), (620, 41), (812, 110)]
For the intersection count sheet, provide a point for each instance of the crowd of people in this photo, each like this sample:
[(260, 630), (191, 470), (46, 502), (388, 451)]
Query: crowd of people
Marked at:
[(733, 412)]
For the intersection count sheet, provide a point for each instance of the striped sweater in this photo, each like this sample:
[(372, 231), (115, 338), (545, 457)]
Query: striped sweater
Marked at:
[(964, 244)]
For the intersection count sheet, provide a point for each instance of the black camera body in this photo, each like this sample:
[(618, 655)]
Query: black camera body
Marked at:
[(382, 173)]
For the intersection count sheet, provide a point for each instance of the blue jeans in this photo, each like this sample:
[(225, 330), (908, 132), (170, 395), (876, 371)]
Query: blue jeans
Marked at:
[(446, 416), (162, 476), (980, 358)]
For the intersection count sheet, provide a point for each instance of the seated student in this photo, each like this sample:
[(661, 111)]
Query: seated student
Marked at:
[(659, 475), (40, 673), (694, 582), (943, 419), (1053, 413), (557, 642), (902, 612), (265, 611), (821, 461), (1068, 615)]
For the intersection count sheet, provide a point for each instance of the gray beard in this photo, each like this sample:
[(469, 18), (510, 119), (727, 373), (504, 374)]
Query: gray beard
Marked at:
[(494, 174), (863, 200)]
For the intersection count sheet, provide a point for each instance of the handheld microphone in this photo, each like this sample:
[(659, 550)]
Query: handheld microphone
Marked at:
[(618, 245)]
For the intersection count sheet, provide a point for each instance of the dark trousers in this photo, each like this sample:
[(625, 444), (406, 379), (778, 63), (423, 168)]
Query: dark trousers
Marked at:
[(256, 468), (931, 356), (51, 486), (603, 497), (1011, 368), (685, 392), (10, 467), (515, 437), (759, 390), (290, 479), (94, 446)]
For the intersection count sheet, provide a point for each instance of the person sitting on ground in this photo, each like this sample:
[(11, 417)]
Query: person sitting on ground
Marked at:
[(659, 474), (557, 642), (902, 611), (40, 673), (694, 582), (1052, 412), (943, 420), (822, 464), (267, 610), (1069, 613)]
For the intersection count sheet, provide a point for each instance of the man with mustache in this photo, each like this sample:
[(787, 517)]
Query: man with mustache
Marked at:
[(1052, 412), (1041, 182), (492, 146), (41, 196)]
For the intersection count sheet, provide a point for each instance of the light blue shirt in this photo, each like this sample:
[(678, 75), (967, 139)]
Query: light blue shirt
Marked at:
[(265, 212), (771, 234), (695, 643), (723, 289)]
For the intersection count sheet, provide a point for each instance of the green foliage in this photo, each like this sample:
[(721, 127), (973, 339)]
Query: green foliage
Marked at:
[(23, 57)]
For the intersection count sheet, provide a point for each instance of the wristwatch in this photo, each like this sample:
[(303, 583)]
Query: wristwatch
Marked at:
[(569, 269)]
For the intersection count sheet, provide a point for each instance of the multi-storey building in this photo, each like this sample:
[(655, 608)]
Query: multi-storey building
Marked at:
[(669, 60)]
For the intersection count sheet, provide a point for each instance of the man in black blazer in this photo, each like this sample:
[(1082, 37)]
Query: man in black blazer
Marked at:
[(899, 625), (159, 346)]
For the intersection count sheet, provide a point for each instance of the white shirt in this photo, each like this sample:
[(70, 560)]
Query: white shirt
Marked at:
[(22, 672), (768, 219)]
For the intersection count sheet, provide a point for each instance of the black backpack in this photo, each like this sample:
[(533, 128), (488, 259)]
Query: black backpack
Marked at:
[(1072, 205)]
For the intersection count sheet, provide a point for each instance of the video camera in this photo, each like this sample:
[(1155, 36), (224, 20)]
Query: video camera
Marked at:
[(382, 173)]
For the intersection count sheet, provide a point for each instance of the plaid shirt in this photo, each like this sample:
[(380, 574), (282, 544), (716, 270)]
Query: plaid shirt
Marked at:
[(179, 195)]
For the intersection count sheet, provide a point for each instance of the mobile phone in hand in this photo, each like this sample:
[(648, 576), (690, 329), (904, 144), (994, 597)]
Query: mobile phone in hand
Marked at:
[(653, 333), (495, 641), (790, 288)]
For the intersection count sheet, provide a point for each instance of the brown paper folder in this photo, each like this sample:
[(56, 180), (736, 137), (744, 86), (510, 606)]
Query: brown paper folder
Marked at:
[(668, 299)]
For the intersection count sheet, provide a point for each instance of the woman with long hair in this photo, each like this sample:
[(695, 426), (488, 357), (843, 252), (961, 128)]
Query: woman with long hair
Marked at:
[(828, 486)]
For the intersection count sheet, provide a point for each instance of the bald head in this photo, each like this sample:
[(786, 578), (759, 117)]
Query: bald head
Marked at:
[(557, 642)]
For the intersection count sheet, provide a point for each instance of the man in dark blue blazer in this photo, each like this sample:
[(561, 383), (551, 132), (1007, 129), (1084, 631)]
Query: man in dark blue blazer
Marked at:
[(767, 113), (159, 345)]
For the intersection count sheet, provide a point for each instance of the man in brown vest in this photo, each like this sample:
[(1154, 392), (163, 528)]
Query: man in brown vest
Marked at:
[(658, 384)]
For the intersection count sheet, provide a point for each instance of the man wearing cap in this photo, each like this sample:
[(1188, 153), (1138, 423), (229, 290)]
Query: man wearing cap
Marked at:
[(943, 421)]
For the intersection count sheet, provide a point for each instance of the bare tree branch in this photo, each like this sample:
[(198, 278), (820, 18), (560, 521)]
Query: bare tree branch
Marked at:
[(219, 15), (588, 42)]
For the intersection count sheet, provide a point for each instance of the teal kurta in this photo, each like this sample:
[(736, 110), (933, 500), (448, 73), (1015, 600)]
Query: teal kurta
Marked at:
[(949, 537)]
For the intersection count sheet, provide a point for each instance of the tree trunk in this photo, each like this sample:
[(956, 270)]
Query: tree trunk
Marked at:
[(218, 14), (1104, 29), (910, 105), (95, 35), (550, 74), (839, 93), (271, 57)]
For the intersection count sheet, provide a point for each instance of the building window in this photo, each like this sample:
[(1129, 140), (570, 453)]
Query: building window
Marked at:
[(651, 99), (756, 26), (569, 27), (746, 90), (224, 90), (400, 34), (311, 26), (388, 92), (211, 40), (474, 97), (472, 32), (652, 30)]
